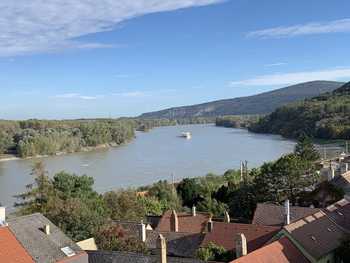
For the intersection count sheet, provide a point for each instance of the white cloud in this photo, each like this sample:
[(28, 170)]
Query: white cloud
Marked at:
[(294, 78), (336, 26), (37, 26), (77, 96), (276, 64), (130, 94)]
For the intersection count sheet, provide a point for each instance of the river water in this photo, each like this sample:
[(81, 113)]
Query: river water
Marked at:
[(154, 156)]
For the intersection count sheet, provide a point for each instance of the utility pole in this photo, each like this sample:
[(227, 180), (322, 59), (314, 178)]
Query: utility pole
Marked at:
[(173, 181), (242, 166)]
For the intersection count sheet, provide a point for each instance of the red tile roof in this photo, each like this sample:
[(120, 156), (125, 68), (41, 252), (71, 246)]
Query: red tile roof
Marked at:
[(187, 222), (224, 234), (280, 251), (10, 248)]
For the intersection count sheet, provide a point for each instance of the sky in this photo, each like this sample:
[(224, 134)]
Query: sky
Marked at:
[(64, 59)]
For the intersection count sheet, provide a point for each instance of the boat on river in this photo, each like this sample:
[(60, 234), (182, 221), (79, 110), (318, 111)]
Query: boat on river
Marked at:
[(186, 135)]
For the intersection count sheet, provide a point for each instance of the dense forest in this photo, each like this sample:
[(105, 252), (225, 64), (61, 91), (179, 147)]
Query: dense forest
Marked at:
[(326, 117), (48, 137), (237, 121), (40, 137)]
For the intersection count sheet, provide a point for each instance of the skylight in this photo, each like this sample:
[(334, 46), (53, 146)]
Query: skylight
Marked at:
[(68, 251)]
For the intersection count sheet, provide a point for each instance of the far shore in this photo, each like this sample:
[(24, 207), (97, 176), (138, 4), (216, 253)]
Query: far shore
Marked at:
[(13, 157)]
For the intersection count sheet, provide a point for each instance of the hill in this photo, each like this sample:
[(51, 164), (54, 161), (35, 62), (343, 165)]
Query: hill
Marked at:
[(263, 103), (326, 117)]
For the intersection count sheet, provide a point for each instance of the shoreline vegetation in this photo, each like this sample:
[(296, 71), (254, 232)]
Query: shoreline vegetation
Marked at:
[(42, 138)]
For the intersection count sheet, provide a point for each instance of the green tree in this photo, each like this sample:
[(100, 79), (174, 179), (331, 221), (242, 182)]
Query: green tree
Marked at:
[(38, 195), (114, 238), (67, 200), (189, 191), (166, 194), (213, 252), (124, 205), (6, 141), (306, 150)]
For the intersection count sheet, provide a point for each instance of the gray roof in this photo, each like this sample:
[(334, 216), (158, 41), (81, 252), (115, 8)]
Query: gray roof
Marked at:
[(322, 232), (273, 215), (123, 257), (178, 244), (43, 248)]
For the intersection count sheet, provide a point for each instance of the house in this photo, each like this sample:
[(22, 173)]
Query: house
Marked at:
[(122, 257), (34, 238), (10, 249), (197, 230), (275, 215), (193, 222), (178, 244), (280, 251), (342, 182), (225, 235), (318, 235)]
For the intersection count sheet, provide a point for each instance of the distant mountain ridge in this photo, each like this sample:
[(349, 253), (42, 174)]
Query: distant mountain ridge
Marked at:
[(263, 103)]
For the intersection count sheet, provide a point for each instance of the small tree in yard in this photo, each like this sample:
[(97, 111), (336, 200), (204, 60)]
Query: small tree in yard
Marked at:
[(114, 238)]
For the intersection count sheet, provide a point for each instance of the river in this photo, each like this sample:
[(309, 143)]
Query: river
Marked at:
[(154, 156)]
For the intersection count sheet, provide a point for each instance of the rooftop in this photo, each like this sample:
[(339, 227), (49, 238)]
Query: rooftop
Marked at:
[(315, 231), (123, 257), (224, 234), (187, 222), (280, 251), (10, 249), (178, 244), (273, 215), (43, 248)]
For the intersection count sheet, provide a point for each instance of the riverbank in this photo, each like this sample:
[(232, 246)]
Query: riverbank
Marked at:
[(13, 157)]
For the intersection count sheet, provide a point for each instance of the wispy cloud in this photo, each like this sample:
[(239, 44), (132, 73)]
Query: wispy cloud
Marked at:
[(277, 64), (130, 94), (294, 78), (77, 96), (37, 26), (336, 26)]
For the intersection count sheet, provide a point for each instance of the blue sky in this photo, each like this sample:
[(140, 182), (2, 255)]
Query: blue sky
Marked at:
[(110, 58)]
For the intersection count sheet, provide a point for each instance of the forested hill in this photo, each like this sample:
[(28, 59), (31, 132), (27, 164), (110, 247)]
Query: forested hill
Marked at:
[(326, 117), (258, 104)]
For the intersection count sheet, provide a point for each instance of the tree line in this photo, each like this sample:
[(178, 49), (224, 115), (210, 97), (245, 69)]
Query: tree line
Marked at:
[(42, 137), (324, 117)]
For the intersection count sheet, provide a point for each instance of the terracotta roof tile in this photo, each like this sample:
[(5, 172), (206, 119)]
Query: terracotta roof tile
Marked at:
[(10, 248), (187, 222), (224, 234), (280, 251), (273, 215)]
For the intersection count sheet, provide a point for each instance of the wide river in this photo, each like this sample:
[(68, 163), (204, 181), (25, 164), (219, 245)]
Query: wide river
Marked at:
[(153, 156)]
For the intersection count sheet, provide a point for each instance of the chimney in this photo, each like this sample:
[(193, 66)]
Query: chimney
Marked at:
[(2, 214), (142, 231), (194, 212), (161, 245), (287, 212), (47, 229), (227, 217), (240, 245), (210, 225), (174, 222)]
